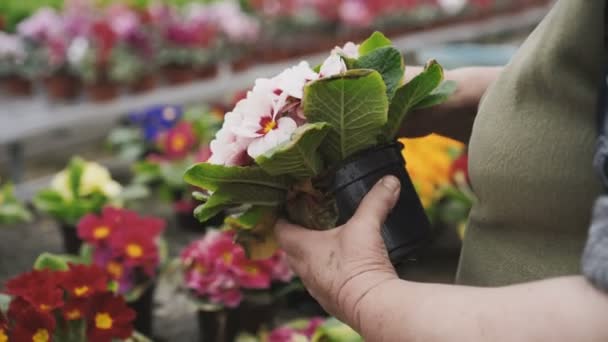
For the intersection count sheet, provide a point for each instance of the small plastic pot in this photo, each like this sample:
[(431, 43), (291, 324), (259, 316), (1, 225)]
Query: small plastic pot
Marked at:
[(62, 87), (225, 325), (71, 242), (103, 91), (407, 227), (143, 84), (178, 74), (144, 307), (18, 86)]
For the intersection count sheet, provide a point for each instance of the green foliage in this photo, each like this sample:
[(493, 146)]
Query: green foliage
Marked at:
[(335, 331), (376, 41), (11, 210), (234, 185), (411, 94), (354, 104), (56, 262), (388, 62), (298, 157)]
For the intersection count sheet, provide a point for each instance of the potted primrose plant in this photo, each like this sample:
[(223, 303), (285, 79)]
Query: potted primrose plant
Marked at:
[(64, 302), (176, 145), (232, 292), (82, 188), (267, 154), (130, 249)]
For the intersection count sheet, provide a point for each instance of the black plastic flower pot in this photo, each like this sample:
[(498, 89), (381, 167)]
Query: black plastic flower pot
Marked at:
[(225, 325), (407, 228), (71, 242), (144, 307)]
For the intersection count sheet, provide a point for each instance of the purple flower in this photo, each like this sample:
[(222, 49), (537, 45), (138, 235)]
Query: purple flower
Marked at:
[(156, 120), (41, 26)]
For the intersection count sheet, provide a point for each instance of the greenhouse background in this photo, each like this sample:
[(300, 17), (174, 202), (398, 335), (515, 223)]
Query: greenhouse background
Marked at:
[(127, 94)]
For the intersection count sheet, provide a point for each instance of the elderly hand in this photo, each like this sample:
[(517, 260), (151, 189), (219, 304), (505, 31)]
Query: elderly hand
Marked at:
[(339, 267)]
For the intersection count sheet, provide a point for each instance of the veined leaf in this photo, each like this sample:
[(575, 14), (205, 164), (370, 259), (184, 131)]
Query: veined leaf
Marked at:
[(354, 104), (411, 94), (233, 194), (299, 156), (375, 41), (212, 177), (438, 96), (254, 217), (388, 61)]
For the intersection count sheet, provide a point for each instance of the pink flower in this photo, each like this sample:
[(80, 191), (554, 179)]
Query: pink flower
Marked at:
[(227, 148), (45, 23), (355, 13), (123, 20), (234, 23), (278, 267), (250, 274), (178, 141), (350, 50), (286, 334)]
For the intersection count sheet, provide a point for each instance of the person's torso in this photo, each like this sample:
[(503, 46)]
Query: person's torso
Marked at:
[(531, 154)]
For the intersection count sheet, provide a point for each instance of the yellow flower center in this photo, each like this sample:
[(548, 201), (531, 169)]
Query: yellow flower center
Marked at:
[(81, 291), (269, 126), (134, 250), (101, 232), (115, 269), (44, 307), (72, 315), (178, 142), (103, 321), (41, 335), (251, 270), (200, 269), (3, 337), (227, 258)]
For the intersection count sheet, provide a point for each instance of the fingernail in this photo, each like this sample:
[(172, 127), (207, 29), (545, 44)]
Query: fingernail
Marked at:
[(391, 182)]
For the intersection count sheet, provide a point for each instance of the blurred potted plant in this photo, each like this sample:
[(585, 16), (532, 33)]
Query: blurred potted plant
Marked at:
[(188, 47), (232, 293), (129, 248), (64, 302), (239, 33), (82, 188), (176, 145), (17, 67), (11, 209), (306, 330), (48, 40)]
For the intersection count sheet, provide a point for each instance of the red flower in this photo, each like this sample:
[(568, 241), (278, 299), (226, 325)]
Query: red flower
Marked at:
[(32, 325), (250, 274), (39, 288), (94, 229), (105, 39), (178, 141), (460, 168), (83, 281), (109, 318), (75, 309), (137, 247)]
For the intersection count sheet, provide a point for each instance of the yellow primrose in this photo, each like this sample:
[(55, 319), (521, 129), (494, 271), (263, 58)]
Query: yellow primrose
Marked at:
[(95, 178)]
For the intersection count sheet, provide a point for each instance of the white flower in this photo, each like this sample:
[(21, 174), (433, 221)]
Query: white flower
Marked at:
[(227, 148), (291, 81), (234, 23), (350, 50), (280, 133), (11, 47), (333, 65), (77, 50), (95, 178), (452, 6)]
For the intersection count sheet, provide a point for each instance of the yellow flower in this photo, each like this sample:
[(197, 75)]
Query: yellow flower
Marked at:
[(428, 160), (95, 178)]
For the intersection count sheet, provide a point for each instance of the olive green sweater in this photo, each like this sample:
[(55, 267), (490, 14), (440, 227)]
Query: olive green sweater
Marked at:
[(531, 154)]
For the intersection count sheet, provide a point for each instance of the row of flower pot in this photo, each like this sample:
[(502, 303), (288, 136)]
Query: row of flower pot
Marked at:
[(63, 86)]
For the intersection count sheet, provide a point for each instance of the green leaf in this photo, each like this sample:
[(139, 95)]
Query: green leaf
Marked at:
[(388, 61), (212, 177), (297, 157), (354, 104), (75, 170), (233, 194), (146, 172), (55, 262), (255, 231), (438, 96), (411, 94), (375, 41)]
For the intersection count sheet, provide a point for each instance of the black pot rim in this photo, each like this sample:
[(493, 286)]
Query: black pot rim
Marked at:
[(339, 182)]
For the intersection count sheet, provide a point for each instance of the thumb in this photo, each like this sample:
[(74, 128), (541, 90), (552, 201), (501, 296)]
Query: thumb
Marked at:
[(378, 202)]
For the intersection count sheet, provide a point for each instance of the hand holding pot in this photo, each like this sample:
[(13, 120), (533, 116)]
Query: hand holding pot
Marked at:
[(339, 267)]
